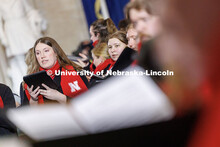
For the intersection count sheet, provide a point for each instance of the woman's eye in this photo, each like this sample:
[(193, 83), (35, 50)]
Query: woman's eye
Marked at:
[(116, 45), (46, 50)]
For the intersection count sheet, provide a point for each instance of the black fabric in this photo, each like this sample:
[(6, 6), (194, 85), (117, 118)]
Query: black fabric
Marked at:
[(6, 127), (85, 80), (88, 67), (95, 80), (9, 102), (24, 99), (125, 59), (22, 94), (172, 133), (7, 96)]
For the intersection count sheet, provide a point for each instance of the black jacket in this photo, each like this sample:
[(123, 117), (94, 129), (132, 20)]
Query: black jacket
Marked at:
[(9, 102)]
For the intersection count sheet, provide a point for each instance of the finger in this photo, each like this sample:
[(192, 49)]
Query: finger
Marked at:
[(83, 56), (45, 86), (36, 89), (36, 94), (81, 62), (28, 88), (31, 88), (43, 92)]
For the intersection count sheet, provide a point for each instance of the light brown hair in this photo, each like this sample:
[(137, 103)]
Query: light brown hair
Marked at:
[(30, 61), (146, 5), (120, 35), (61, 56), (104, 28)]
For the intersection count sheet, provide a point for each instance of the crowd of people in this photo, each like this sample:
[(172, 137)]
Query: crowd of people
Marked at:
[(155, 35)]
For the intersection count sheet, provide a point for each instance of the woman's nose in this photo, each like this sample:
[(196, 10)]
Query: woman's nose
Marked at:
[(113, 50), (42, 55)]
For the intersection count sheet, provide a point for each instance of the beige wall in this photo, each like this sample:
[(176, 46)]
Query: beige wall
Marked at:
[(66, 21)]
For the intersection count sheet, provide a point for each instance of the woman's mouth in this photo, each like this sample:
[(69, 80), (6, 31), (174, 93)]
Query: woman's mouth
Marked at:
[(44, 61), (113, 56)]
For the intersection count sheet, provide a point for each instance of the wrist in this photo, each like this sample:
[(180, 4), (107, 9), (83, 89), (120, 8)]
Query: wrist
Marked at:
[(62, 99), (34, 99)]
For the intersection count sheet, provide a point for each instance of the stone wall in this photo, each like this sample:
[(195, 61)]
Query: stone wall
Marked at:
[(66, 21)]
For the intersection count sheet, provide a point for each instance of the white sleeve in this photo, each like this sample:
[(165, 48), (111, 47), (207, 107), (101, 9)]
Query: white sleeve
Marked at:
[(3, 37)]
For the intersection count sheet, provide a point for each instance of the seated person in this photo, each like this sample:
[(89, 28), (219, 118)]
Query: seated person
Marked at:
[(100, 54), (116, 44), (6, 101), (99, 32), (49, 56)]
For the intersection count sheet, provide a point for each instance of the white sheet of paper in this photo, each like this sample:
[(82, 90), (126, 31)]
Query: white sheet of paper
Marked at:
[(120, 102), (45, 122)]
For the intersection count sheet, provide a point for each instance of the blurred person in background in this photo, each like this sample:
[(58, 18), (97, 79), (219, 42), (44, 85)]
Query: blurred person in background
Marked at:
[(99, 32), (99, 55), (132, 36), (192, 47), (144, 16), (123, 24), (85, 48), (101, 29)]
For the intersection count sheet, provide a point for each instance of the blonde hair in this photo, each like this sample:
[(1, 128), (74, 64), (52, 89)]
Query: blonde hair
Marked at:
[(120, 35), (130, 26), (30, 61), (101, 50)]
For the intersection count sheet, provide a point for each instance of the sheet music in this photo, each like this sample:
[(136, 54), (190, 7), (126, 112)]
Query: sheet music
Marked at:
[(120, 102), (45, 122)]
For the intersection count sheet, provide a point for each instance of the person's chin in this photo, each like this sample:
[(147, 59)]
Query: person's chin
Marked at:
[(46, 67), (114, 59)]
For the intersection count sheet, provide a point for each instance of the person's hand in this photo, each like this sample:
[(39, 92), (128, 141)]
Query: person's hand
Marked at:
[(88, 78), (82, 62), (53, 94), (34, 93)]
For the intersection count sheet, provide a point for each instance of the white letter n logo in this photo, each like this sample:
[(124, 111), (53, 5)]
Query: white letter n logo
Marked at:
[(74, 86)]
